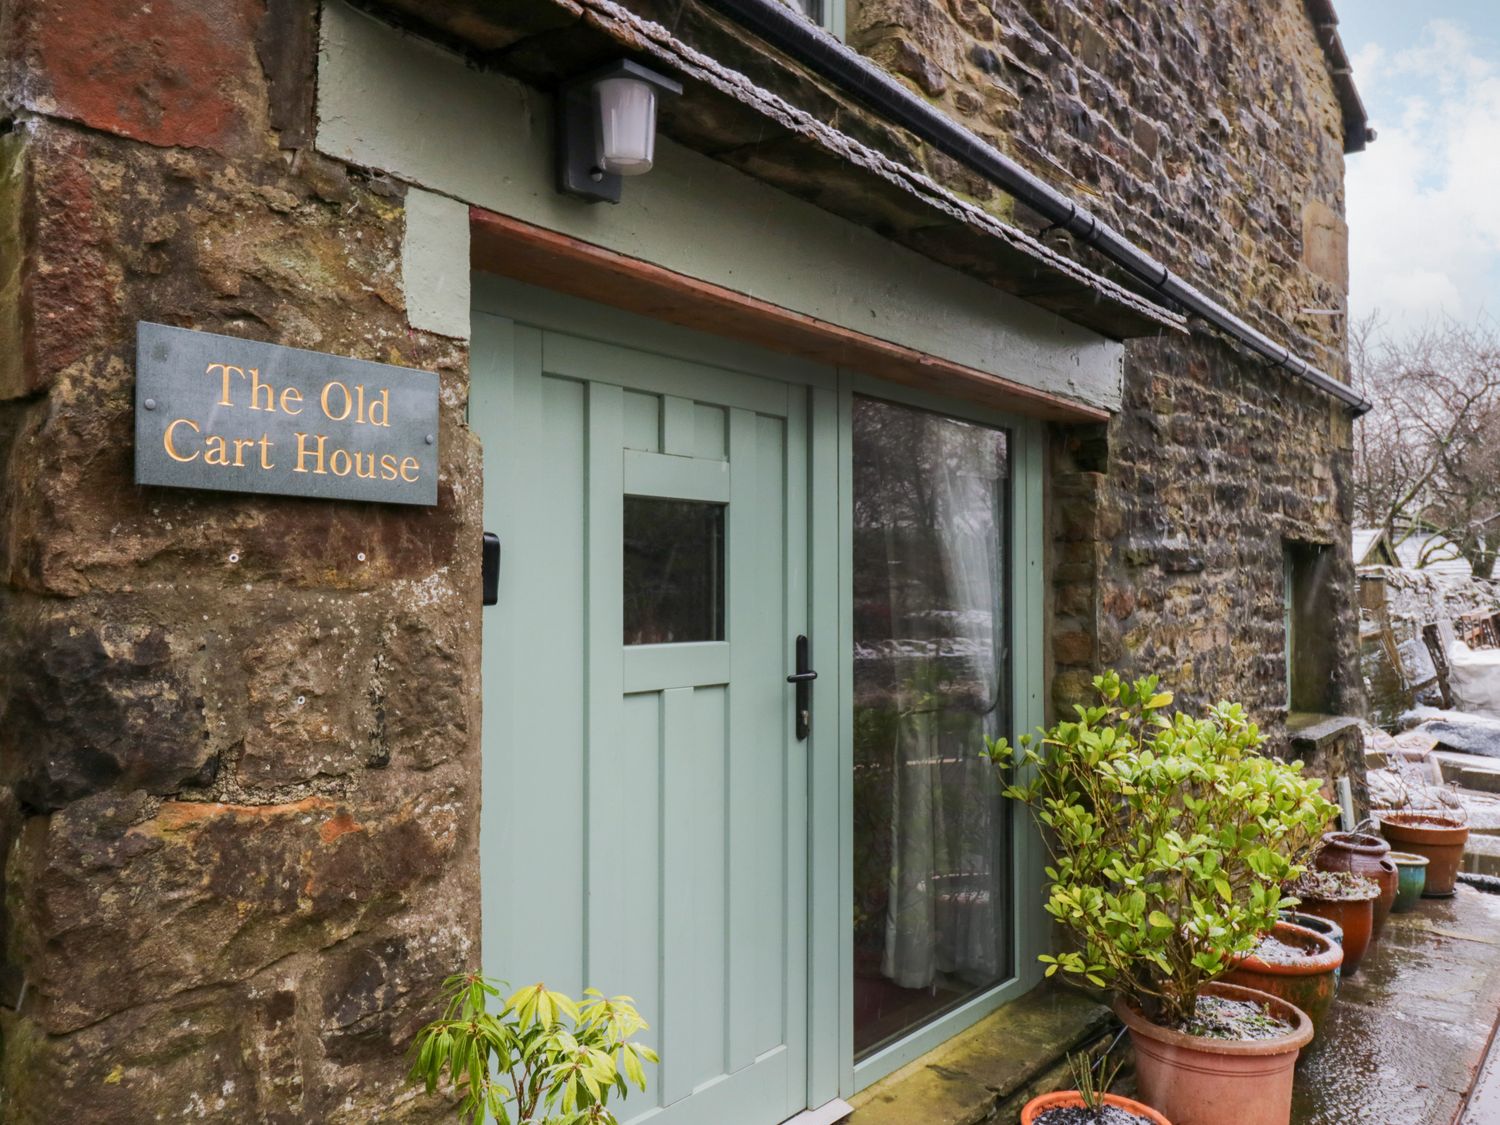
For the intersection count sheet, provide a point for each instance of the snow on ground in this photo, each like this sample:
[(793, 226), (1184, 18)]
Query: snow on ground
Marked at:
[(1454, 730)]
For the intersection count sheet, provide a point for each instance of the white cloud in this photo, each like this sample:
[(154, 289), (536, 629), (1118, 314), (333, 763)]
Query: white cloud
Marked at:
[(1424, 199)]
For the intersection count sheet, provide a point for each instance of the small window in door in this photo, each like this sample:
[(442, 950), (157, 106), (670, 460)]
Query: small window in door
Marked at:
[(674, 571)]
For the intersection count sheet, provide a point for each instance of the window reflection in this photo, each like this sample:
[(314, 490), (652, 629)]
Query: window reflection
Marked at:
[(931, 677), (674, 571)]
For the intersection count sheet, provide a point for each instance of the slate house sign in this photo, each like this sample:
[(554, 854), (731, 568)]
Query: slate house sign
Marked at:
[(238, 415)]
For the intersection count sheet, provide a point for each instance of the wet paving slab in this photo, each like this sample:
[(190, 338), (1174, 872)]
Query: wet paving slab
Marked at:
[(1484, 1102), (1407, 1034)]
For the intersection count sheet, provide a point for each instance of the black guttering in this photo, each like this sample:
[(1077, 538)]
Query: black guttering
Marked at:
[(783, 28)]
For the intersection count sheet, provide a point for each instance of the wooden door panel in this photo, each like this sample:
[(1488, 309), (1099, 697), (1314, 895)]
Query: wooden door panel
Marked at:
[(687, 886)]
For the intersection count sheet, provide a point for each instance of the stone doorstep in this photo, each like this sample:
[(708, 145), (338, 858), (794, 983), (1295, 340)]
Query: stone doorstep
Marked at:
[(978, 1075), (1470, 771), (1482, 854)]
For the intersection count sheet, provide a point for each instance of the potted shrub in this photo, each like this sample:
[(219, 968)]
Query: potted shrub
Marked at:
[(1091, 1103), (1170, 839), (1345, 899), (542, 1059)]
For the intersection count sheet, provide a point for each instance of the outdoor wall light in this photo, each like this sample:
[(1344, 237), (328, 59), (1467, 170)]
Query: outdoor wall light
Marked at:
[(606, 128)]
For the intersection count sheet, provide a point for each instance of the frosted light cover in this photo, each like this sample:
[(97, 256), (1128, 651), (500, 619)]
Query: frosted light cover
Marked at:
[(625, 124)]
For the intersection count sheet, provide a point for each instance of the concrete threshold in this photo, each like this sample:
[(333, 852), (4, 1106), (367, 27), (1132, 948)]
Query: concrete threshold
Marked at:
[(1475, 772), (985, 1073)]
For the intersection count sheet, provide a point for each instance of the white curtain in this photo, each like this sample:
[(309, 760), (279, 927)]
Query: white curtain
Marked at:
[(946, 579)]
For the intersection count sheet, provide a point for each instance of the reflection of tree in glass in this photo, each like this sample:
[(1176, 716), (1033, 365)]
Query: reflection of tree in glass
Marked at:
[(674, 571)]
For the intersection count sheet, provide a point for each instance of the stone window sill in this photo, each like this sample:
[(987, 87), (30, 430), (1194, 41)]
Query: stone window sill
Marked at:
[(1317, 727), (1016, 1051)]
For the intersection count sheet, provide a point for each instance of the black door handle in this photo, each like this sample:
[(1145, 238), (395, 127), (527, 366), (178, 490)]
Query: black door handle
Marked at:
[(803, 678), (489, 566)]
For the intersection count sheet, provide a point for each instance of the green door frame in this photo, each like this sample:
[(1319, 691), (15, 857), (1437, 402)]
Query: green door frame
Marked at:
[(831, 1069)]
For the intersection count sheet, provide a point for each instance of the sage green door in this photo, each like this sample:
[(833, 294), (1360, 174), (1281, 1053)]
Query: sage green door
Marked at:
[(646, 822)]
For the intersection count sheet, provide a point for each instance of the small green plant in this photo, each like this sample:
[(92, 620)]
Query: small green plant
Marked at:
[(543, 1059), (1093, 1078), (1170, 839)]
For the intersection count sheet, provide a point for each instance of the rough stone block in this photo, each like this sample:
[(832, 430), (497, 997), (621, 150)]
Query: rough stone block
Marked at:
[(1074, 600), (91, 703), (1325, 243), (1072, 686), (174, 72), (135, 901), (312, 697), (1073, 647), (14, 182)]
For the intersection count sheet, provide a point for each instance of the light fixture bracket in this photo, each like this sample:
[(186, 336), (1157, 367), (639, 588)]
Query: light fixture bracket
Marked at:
[(579, 173)]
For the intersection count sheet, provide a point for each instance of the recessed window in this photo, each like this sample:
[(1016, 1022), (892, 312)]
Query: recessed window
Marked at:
[(1310, 647), (812, 9), (674, 571), (827, 14)]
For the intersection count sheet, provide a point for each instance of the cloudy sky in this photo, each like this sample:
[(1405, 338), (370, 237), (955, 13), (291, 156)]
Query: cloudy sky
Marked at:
[(1424, 199)]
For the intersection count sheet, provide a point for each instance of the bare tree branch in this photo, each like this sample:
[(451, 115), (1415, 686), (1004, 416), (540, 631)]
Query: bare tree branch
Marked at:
[(1427, 457)]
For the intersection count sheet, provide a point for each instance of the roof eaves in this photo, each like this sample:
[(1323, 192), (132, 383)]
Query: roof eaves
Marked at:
[(1325, 20), (933, 220)]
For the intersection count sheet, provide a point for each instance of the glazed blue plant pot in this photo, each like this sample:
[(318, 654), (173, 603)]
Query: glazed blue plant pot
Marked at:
[(1412, 879)]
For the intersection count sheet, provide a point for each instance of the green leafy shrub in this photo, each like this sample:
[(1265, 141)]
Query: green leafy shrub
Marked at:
[(1170, 839), (543, 1059)]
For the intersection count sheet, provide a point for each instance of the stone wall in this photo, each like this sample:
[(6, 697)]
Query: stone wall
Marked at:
[(1212, 467), (237, 734), (1212, 135)]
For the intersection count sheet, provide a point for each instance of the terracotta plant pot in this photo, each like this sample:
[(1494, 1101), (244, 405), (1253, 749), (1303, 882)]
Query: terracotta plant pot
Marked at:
[(1308, 982), (1325, 926), (1356, 917), (1389, 880), (1329, 929), (1412, 869), (1440, 838), (1070, 1099), (1197, 1081), (1362, 854)]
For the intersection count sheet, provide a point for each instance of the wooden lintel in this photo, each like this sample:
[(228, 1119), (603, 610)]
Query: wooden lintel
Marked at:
[(525, 252)]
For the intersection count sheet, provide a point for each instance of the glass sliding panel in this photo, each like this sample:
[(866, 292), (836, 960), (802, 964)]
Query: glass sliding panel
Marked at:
[(932, 887), (674, 571)]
